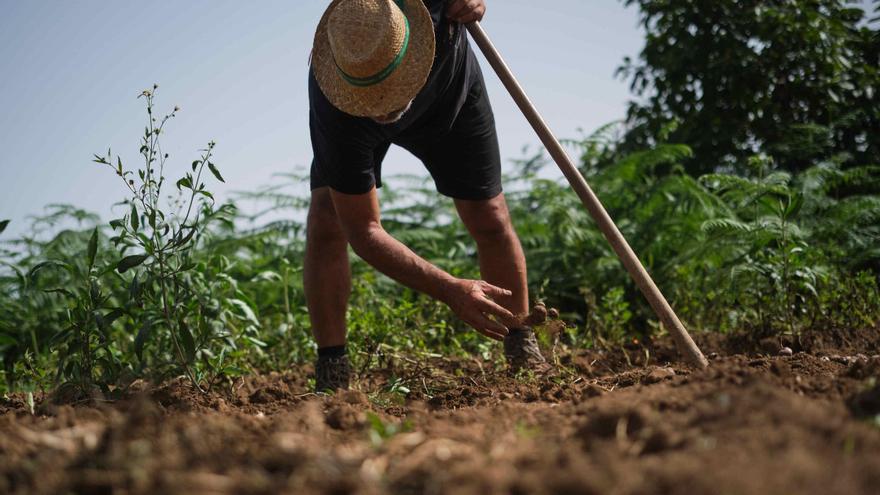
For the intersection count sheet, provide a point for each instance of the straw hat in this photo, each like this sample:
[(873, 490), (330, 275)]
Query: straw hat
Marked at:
[(372, 57)]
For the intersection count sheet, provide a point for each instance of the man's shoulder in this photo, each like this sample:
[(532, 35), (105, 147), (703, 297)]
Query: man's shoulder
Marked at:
[(324, 113)]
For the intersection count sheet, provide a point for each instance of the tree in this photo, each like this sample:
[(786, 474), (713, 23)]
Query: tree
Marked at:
[(795, 79)]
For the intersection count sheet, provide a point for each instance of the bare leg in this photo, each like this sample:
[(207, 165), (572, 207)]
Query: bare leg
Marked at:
[(326, 271), (502, 261)]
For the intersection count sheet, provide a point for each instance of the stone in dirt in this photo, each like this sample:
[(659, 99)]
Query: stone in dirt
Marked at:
[(659, 374)]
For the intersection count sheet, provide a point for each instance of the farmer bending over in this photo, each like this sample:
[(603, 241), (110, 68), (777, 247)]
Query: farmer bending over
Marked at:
[(401, 72)]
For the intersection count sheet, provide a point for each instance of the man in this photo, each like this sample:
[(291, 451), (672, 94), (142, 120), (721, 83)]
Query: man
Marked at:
[(401, 72)]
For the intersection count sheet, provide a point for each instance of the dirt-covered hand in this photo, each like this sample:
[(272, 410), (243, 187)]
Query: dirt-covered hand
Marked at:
[(470, 300), (465, 11)]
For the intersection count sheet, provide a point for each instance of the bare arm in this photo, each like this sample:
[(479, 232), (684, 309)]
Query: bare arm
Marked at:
[(359, 216)]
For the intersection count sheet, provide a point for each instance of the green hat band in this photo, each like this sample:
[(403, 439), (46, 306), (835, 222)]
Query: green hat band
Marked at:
[(387, 71)]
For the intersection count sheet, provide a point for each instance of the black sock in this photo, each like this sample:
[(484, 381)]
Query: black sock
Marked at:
[(332, 351)]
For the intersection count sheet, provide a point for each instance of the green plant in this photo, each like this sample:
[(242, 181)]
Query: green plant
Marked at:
[(769, 250), (185, 286), (58, 310), (85, 344), (610, 319), (796, 80), (379, 431), (169, 296)]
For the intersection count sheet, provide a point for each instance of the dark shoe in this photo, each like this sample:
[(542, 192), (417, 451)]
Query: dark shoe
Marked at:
[(332, 374), (521, 350)]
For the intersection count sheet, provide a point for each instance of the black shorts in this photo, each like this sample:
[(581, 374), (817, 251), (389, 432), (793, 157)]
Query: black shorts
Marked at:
[(462, 156)]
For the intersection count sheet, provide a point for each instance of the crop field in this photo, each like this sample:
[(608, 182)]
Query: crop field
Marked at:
[(169, 349), (172, 355)]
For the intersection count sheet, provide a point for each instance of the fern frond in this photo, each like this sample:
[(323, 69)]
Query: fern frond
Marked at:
[(725, 226)]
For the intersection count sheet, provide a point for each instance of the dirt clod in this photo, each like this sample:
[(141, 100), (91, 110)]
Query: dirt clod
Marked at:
[(659, 374), (537, 316)]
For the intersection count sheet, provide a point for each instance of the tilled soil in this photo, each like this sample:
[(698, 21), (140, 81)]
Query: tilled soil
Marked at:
[(628, 421)]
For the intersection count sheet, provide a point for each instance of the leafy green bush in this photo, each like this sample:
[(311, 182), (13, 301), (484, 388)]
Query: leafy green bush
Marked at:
[(769, 251), (796, 80)]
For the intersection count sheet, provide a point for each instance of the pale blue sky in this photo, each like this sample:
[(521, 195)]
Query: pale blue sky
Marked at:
[(71, 71)]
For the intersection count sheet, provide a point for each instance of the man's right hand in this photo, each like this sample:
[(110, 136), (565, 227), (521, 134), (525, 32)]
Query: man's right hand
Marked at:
[(465, 11), (470, 300), (358, 216)]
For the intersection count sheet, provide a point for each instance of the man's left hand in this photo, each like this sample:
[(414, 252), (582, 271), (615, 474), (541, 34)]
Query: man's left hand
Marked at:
[(465, 11)]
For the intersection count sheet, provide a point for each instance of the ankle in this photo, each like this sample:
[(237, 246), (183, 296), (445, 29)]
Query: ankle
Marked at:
[(333, 351), (522, 330)]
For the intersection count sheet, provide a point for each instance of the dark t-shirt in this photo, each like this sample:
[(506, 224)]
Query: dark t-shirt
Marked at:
[(348, 150)]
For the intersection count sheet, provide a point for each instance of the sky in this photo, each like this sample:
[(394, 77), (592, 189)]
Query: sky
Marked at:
[(71, 71)]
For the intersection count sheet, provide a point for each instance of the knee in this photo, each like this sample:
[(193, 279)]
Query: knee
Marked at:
[(322, 226), (490, 224), (492, 229)]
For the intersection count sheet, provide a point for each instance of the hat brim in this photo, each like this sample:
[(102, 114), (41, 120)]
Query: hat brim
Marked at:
[(398, 89)]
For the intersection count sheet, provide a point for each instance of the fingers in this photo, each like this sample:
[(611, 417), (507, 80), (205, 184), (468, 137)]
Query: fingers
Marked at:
[(486, 331), (456, 8), (493, 326), (465, 11), (488, 306), (474, 15), (494, 291), (472, 302), (485, 326), (493, 308), (491, 335)]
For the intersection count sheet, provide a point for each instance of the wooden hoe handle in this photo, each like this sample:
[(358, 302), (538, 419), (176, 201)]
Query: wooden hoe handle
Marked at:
[(661, 307)]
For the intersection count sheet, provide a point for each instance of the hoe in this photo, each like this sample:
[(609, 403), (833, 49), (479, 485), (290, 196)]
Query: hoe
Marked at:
[(630, 261)]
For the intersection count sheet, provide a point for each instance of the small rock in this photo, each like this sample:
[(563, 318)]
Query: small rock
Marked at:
[(290, 442), (410, 440), (862, 369), (218, 404), (842, 359), (781, 369), (825, 359), (354, 397), (661, 438), (583, 365), (138, 386), (345, 417), (592, 390), (786, 351), (713, 355), (96, 394), (659, 374)]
